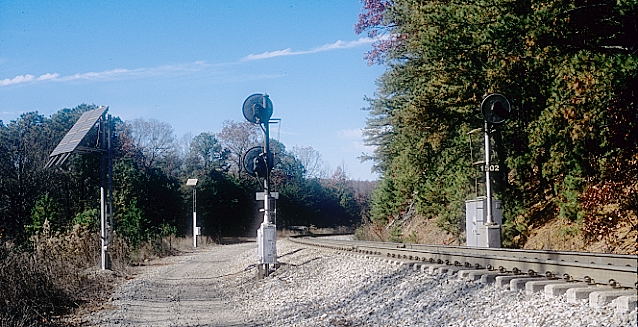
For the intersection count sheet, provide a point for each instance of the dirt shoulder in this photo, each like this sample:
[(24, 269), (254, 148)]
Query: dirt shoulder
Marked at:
[(191, 289)]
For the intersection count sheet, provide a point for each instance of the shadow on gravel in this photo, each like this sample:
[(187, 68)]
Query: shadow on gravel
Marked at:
[(290, 253), (249, 267), (284, 266), (307, 262), (228, 240), (162, 322)]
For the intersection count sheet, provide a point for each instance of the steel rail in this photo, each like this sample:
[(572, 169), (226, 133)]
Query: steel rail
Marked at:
[(599, 268)]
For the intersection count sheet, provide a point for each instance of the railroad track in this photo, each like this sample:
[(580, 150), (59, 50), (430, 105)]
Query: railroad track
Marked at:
[(613, 270)]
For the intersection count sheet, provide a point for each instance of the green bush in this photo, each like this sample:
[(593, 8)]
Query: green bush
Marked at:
[(130, 220), (45, 211), (89, 218)]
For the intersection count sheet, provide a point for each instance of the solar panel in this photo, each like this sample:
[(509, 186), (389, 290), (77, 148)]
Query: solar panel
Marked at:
[(72, 139)]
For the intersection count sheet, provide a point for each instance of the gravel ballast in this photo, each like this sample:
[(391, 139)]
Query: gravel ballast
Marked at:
[(317, 287)]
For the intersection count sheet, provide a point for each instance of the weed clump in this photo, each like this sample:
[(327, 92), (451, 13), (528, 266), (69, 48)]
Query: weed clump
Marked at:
[(51, 275)]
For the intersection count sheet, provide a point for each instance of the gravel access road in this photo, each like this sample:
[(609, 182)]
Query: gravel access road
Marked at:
[(216, 286), (192, 289)]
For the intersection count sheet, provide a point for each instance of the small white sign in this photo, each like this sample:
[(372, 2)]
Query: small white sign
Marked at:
[(259, 196), (198, 230)]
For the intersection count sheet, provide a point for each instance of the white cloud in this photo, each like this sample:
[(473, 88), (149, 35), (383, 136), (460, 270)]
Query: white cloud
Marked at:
[(93, 76), (28, 78), (177, 69), (47, 76), (270, 54), (345, 45), (339, 44), (17, 80), (112, 74)]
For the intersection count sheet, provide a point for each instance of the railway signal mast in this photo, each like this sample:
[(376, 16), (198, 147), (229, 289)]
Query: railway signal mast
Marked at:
[(496, 110), (258, 161), (484, 214)]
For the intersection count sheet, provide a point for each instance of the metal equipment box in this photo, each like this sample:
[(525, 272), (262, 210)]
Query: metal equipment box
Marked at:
[(267, 244), (477, 232)]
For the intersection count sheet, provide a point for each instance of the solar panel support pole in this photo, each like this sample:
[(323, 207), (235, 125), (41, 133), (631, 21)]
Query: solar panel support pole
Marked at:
[(109, 169), (103, 243), (106, 185)]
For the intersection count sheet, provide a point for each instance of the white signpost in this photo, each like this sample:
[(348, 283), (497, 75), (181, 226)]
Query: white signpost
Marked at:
[(193, 182)]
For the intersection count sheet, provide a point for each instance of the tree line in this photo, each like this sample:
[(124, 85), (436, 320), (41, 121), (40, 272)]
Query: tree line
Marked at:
[(150, 169), (569, 151)]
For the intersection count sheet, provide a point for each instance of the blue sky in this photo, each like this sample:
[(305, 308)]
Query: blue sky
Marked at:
[(192, 64)]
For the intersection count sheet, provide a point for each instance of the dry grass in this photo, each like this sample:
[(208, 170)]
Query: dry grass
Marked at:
[(56, 275), (563, 235), (338, 230), (372, 232), (166, 246), (416, 230), (60, 272)]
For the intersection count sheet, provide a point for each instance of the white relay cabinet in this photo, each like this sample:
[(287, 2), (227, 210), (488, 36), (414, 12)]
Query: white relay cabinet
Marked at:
[(267, 244), (477, 232)]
